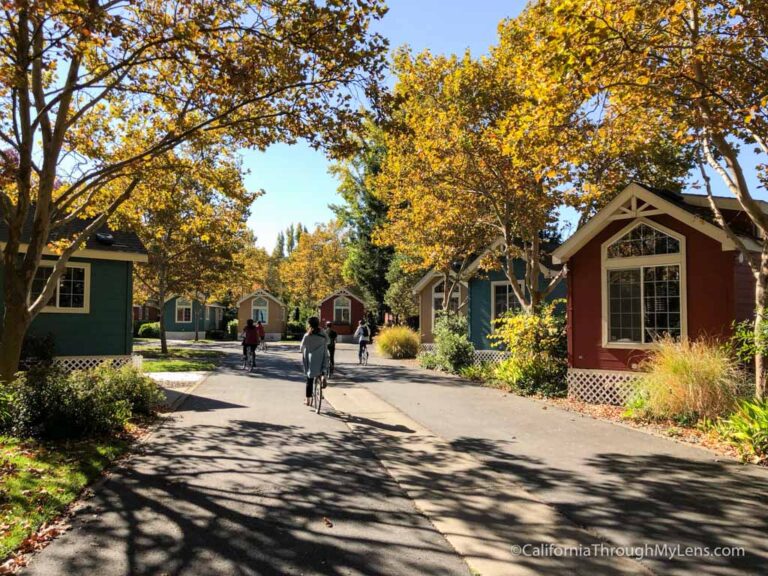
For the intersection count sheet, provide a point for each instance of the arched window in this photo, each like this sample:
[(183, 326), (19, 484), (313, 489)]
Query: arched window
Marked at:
[(342, 310), (260, 309), (644, 297)]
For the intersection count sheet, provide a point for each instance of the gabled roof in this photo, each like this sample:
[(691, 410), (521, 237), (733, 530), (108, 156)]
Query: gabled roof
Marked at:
[(427, 278), (691, 209), (261, 292), (343, 292), (106, 243)]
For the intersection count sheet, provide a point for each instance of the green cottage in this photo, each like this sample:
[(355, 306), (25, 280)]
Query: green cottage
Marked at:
[(89, 316), (179, 315)]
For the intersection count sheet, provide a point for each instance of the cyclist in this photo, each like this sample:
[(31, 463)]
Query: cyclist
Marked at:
[(250, 338), (314, 355), (364, 333), (261, 331), (332, 335)]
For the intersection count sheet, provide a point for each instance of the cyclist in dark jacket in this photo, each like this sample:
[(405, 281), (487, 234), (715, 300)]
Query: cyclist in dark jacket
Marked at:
[(332, 335)]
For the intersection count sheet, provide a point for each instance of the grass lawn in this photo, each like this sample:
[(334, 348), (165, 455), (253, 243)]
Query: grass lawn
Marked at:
[(169, 364), (177, 352), (39, 480)]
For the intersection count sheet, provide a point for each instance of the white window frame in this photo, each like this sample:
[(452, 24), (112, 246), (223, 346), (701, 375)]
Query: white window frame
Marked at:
[(86, 308), (345, 306), (184, 306), (455, 294), (495, 284), (640, 262), (264, 309)]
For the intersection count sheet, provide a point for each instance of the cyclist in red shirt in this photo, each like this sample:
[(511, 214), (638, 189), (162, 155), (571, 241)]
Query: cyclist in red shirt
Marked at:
[(250, 338), (260, 329)]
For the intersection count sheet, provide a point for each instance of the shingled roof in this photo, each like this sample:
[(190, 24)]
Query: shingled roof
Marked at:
[(106, 239)]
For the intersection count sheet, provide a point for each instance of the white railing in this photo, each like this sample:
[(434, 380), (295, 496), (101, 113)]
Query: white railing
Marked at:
[(481, 356), (72, 363)]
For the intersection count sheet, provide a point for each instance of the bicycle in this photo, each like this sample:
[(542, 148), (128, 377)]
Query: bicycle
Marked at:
[(250, 359), (363, 360), (263, 345), (316, 400)]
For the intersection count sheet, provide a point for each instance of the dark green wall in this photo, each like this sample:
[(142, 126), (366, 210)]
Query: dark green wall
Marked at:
[(171, 325), (106, 329), (480, 306)]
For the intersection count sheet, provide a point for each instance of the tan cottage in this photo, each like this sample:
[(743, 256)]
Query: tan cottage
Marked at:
[(261, 305)]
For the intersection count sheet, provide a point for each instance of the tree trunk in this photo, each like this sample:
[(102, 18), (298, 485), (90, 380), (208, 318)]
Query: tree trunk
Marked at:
[(761, 308), (16, 321), (163, 338)]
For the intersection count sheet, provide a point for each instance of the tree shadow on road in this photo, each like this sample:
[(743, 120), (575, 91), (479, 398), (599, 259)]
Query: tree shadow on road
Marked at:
[(250, 498), (651, 499)]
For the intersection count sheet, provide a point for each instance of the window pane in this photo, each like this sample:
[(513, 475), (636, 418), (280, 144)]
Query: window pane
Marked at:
[(661, 285), (643, 240), (624, 308), (72, 288)]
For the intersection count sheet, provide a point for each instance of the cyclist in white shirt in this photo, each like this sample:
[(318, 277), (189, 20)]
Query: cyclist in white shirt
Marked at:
[(363, 332)]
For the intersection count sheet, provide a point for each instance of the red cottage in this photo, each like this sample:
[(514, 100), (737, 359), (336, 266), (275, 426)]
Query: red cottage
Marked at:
[(344, 309), (651, 263)]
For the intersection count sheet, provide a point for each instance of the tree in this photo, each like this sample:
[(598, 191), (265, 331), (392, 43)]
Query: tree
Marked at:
[(361, 213), (190, 214), (290, 240), (314, 268), (278, 252), (399, 296), (93, 93), (702, 66)]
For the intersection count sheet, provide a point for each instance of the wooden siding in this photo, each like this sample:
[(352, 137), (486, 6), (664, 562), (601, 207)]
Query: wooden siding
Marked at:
[(276, 321), (710, 296), (107, 329), (357, 313), (425, 309)]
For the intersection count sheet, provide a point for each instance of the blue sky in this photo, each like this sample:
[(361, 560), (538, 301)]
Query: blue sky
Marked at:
[(295, 178)]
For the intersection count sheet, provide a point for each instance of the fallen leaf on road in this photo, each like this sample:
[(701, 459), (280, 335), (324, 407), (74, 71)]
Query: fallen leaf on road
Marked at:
[(327, 522)]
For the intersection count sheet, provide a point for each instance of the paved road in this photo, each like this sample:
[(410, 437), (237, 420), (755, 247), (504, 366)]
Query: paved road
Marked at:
[(631, 488), (242, 482)]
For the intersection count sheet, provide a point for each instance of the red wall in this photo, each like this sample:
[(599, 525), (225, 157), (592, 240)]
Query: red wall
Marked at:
[(711, 291), (357, 314)]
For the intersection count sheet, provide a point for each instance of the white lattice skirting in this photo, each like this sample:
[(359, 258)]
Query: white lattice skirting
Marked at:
[(72, 363), (601, 386), (481, 356)]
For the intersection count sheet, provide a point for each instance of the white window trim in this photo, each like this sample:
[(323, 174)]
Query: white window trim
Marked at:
[(494, 285), (347, 307), (86, 309), (640, 262), (435, 294), (264, 308), (191, 311)]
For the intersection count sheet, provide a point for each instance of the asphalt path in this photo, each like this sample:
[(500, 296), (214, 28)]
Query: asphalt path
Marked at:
[(242, 480)]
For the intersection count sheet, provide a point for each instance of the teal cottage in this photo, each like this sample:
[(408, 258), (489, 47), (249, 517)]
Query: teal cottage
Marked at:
[(485, 296), (89, 317), (180, 312)]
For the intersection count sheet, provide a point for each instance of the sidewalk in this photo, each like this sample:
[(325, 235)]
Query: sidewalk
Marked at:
[(628, 487)]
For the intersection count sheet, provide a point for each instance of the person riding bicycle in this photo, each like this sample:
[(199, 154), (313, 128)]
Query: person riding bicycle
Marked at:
[(250, 338), (260, 330), (332, 335), (314, 355), (364, 333)]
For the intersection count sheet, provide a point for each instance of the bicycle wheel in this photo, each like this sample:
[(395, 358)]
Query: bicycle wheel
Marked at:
[(365, 357), (317, 393)]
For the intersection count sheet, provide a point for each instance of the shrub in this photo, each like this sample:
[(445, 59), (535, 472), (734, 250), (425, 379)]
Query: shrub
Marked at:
[(233, 327), (453, 350), (149, 330), (38, 350), (295, 329), (688, 380), (478, 372), (427, 360), (536, 344), (747, 430), (216, 334), (50, 403), (398, 342)]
